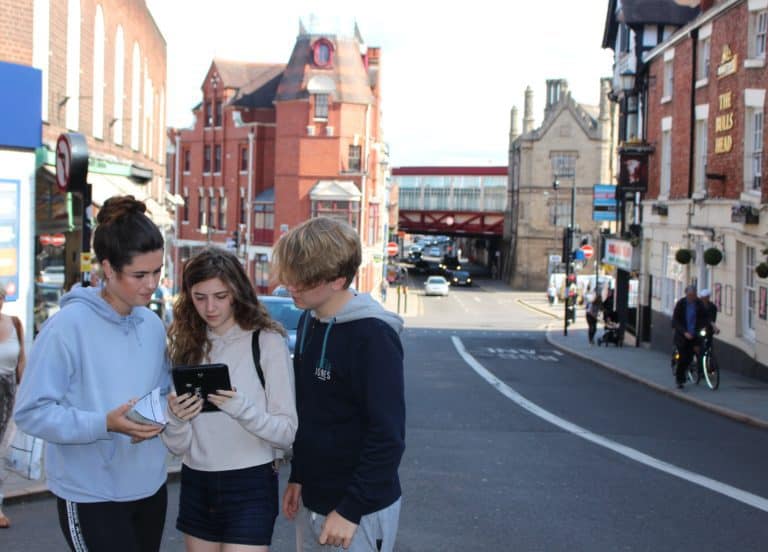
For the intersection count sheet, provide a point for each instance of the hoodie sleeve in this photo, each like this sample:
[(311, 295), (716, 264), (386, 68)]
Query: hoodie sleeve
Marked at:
[(41, 407), (384, 441), (277, 424)]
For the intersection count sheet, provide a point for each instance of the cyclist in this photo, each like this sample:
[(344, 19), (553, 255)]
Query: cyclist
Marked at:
[(688, 318), (712, 328)]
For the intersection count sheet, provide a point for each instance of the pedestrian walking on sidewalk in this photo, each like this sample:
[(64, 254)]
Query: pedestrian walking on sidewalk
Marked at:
[(349, 391), (12, 360), (91, 361), (229, 485), (594, 306), (383, 289)]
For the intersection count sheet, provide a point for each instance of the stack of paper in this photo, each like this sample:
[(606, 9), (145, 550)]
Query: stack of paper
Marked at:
[(149, 410)]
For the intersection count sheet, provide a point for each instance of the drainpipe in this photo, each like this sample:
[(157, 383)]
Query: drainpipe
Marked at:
[(694, 35), (249, 200), (363, 182), (176, 188)]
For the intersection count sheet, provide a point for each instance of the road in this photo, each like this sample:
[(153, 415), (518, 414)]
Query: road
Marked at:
[(481, 473)]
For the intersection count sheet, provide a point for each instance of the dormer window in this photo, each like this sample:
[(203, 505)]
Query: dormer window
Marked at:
[(322, 53)]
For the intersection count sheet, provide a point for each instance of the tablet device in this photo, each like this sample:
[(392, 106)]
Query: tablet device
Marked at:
[(200, 380)]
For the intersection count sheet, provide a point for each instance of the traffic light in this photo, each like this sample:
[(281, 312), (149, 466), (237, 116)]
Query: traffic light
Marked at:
[(567, 243)]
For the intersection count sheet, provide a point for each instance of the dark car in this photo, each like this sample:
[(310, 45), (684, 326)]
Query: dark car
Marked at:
[(450, 262), (283, 310), (461, 278)]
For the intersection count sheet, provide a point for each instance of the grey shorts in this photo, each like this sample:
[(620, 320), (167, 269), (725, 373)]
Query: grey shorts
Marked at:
[(379, 526)]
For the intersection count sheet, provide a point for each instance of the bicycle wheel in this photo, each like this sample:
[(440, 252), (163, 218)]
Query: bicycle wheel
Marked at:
[(692, 373), (711, 370)]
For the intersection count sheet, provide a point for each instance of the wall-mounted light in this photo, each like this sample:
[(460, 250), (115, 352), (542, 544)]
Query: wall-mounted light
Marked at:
[(627, 81)]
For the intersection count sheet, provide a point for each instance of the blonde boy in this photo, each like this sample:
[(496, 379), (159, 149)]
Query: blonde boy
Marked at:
[(344, 486)]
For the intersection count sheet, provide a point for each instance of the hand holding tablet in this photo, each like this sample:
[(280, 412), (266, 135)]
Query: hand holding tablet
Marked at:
[(199, 381)]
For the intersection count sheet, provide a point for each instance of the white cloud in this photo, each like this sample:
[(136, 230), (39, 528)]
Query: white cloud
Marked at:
[(450, 75)]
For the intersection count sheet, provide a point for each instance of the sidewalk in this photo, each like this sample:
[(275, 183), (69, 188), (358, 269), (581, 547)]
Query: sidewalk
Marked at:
[(738, 397)]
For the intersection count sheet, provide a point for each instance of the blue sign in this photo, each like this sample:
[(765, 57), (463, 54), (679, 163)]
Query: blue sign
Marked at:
[(604, 202), (9, 237), (20, 106)]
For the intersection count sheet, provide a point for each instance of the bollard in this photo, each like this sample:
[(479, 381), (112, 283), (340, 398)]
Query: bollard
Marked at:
[(405, 300)]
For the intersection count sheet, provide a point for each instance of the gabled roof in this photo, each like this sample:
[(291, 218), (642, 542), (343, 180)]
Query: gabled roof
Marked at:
[(255, 84), (347, 80), (636, 13), (335, 190), (588, 123)]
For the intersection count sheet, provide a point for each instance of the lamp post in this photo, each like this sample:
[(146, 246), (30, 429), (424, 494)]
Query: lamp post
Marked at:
[(568, 233)]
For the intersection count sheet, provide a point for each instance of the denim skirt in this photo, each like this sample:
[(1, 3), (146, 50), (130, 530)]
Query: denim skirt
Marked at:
[(233, 506)]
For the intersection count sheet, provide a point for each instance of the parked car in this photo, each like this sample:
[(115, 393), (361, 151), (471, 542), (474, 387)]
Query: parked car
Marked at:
[(461, 278), (52, 275), (436, 285), (281, 291), (283, 310)]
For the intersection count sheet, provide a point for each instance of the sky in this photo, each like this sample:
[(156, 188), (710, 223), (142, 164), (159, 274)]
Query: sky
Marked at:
[(451, 72)]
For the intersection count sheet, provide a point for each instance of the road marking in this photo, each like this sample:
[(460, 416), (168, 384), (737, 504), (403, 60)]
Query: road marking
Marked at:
[(740, 495)]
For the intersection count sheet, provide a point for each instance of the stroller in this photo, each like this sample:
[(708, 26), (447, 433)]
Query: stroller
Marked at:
[(613, 333)]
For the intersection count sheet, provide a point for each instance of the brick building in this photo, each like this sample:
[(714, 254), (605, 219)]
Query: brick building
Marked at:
[(103, 65), (275, 144), (706, 191)]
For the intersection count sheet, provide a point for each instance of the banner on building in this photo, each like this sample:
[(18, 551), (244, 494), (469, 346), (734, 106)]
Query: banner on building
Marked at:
[(604, 202), (9, 237), (633, 171)]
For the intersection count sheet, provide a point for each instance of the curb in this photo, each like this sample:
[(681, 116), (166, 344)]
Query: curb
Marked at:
[(40, 491), (721, 410), (527, 305)]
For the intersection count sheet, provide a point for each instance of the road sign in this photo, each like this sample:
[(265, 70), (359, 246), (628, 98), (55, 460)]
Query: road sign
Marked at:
[(392, 249), (588, 251)]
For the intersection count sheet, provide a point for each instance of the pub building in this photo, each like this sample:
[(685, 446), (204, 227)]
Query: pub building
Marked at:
[(703, 217)]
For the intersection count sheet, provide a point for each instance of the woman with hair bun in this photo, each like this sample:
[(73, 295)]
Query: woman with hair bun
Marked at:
[(90, 362)]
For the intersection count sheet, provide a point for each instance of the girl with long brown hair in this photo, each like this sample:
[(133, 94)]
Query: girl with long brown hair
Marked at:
[(228, 499)]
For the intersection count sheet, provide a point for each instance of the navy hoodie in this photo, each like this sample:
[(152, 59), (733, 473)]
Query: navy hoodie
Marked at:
[(351, 406)]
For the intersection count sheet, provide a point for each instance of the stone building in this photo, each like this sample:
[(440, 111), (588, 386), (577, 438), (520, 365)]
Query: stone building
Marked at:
[(573, 147), (275, 144), (706, 192)]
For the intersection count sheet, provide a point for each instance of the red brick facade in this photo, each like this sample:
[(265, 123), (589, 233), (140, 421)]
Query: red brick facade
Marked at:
[(293, 151), (728, 29)]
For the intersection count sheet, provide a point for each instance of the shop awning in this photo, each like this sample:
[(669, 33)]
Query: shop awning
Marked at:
[(335, 190)]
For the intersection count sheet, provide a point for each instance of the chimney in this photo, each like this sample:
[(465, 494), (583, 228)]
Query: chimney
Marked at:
[(514, 130), (605, 89), (556, 89), (528, 111)]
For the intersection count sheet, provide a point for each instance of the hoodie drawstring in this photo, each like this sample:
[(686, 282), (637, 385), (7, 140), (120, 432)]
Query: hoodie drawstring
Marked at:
[(305, 327), (325, 342)]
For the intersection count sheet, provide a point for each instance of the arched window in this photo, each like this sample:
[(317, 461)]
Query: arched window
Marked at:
[(98, 74), (41, 32), (72, 94), (119, 89), (135, 96)]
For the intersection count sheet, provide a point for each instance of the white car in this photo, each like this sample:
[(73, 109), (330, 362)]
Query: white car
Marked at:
[(436, 285)]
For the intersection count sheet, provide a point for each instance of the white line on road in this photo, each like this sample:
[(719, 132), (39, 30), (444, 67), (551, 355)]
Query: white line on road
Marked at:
[(742, 496)]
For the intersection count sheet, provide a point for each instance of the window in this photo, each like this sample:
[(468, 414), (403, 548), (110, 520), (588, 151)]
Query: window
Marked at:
[(263, 223), (243, 159), (222, 213), (564, 163), (98, 75), (354, 158), (217, 159), (755, 142), (749, 297), (668, 80), (700, 156), (201, 220), (207, 114), (631, 129), (346, 211), (624, 35), (703, 56), (185, 208), (219, 113), (73, 65), (261, 272), (241, 217), (666, 162), (322, 53), (373, 223), (119, 85), (321, 106), (135, 95), (760, 26), (206, 159), (187, 160), (212, 212)]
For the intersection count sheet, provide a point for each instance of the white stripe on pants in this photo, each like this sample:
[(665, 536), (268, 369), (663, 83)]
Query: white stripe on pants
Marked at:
[(381, 525), (75, 533)]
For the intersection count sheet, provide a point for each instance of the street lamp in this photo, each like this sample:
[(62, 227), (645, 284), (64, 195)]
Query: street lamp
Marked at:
[(558, 165)]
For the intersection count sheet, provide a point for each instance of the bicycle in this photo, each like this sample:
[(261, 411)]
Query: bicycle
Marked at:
[(703, 363)]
